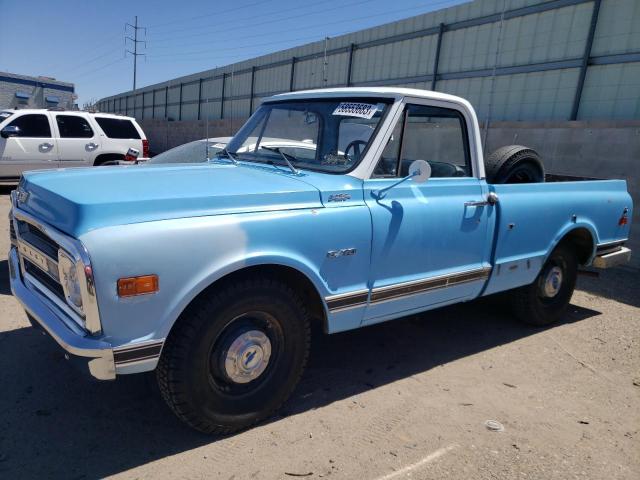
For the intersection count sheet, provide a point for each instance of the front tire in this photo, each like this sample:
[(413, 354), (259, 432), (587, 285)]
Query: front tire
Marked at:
[(546, 299), (235, 355)]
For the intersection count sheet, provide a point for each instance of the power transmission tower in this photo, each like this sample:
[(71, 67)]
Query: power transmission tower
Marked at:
[(135, 45)]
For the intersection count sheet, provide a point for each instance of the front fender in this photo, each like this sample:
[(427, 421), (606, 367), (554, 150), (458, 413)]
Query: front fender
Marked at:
[(190, 254), (232, 265)]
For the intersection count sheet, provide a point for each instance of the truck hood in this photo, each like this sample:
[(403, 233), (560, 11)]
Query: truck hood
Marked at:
[(82, 199)]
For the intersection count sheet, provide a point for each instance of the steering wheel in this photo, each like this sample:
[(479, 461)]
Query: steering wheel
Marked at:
[(358, 147)]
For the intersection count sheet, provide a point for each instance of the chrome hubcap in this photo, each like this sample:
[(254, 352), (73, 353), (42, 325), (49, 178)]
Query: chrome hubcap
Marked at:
[(552, 282), (248, 356)]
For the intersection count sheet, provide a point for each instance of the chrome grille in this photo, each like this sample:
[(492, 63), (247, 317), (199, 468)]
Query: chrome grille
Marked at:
[(38, 239), (12, 231), (39, 257), (51, 284), (38, 245)]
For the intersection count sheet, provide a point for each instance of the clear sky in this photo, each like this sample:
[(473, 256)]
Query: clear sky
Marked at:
[(82, 41)]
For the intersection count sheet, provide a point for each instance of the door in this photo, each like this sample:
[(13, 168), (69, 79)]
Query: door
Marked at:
[(78, 143), (430, 241), (30, 147)]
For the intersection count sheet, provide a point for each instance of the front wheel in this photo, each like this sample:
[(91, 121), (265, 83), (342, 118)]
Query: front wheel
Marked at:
[(546, 299), (235, 355)]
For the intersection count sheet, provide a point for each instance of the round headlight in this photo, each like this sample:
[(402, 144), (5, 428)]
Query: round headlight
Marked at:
[(69, 280)]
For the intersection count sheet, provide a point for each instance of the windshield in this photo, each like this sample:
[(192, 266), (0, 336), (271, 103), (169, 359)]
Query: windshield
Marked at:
[(325, 135), (192, 152)]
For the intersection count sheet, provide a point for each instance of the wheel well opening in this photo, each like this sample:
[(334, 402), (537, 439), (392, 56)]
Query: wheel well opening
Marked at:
[(582, 241), (106, 157), (294, 278)]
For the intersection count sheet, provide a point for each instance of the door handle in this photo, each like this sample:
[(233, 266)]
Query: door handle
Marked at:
[(45, 147), (91, 146), (492, 199)]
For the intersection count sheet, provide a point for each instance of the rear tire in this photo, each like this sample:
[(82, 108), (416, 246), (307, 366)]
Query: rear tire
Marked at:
[(514, 164), (235, 355), (546, 299)]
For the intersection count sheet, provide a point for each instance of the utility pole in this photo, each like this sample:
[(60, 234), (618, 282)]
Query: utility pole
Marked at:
[(135, 45)]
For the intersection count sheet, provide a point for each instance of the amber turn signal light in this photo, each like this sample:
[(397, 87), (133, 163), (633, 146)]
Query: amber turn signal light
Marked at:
[(132, 286)]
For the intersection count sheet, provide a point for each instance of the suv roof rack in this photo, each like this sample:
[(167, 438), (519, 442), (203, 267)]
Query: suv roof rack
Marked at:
[(57, 109)]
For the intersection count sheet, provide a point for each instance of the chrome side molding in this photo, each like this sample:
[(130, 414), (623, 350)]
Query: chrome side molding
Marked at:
[(338, 303)]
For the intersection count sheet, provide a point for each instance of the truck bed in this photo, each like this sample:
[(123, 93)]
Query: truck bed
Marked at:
[(532, 218)]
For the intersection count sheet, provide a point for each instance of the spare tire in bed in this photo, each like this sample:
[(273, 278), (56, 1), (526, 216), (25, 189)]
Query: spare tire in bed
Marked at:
[(514, 164)]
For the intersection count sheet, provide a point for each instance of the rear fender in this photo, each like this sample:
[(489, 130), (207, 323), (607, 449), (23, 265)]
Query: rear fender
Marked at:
[(520, 270), (570, 227)]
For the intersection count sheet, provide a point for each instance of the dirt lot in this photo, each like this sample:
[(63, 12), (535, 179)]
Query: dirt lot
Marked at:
[(408, 399)]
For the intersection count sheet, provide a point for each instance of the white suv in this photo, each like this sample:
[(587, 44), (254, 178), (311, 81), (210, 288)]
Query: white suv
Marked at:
[(36, 139)]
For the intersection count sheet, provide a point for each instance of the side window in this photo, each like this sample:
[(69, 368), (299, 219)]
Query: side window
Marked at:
[(72, 126), (437, 135), (32, 125), (118, 128)]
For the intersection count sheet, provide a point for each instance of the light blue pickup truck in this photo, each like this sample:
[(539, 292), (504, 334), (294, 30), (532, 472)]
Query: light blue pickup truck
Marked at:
[(346, 207)]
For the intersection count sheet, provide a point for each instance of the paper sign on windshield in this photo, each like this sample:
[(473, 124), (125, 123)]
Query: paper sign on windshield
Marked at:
[(361, 110)]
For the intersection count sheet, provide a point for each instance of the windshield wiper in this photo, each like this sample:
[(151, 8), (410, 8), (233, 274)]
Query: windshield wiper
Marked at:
[(285, 157), (226, 153)]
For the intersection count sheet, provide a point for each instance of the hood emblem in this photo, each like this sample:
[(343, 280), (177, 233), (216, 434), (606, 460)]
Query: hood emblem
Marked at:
[(22, 195)]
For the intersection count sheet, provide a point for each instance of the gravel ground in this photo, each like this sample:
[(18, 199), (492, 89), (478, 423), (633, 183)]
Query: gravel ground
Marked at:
[(406, 399)]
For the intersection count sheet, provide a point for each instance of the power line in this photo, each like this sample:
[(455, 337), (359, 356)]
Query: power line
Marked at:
[(214, 14), (182, 55), (135, 45), (235, 27), (304, 27), (89, 72), (82, 52)]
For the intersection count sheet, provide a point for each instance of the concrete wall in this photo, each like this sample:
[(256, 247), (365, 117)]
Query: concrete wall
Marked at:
[(600, 149), (164, 135)]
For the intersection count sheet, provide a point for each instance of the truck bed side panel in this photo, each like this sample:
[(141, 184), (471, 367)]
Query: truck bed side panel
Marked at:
[(533, 218)]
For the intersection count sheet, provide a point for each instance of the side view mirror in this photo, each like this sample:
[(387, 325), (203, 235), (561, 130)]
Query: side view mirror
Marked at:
[(10, 131), (419, 171)]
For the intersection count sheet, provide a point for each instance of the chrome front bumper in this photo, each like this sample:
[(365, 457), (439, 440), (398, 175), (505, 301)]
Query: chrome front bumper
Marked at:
[(614, 258), (97, 353)]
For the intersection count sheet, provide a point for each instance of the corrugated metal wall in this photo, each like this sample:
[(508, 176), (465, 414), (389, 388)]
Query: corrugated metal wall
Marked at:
[(514, 60)]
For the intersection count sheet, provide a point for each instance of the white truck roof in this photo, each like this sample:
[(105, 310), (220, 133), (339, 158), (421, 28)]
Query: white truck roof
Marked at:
[(383, 92)]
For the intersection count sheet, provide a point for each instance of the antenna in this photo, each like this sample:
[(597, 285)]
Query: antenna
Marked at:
[(135, 46), (324, 63), (232, 72), (493, 77), (206, 131)]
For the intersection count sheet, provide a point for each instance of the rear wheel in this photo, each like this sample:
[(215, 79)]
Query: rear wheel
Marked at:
[(546, 299), (235, 355)]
